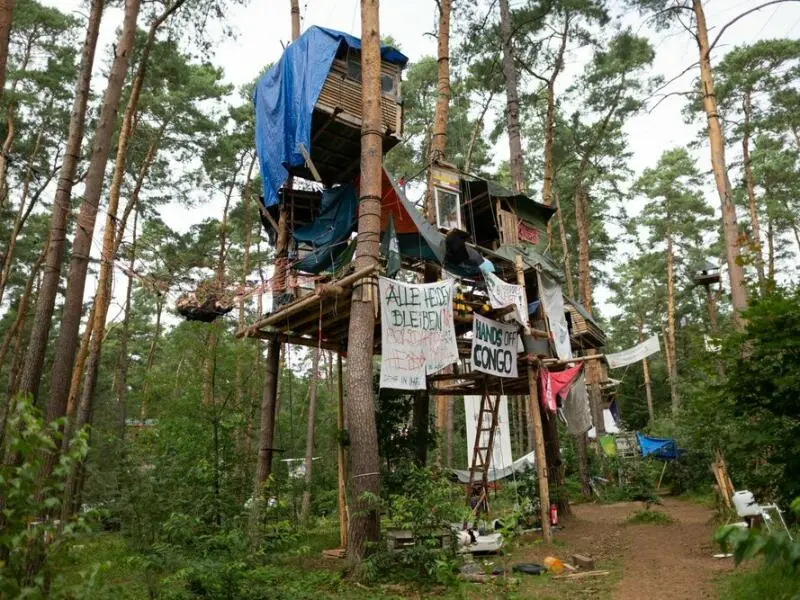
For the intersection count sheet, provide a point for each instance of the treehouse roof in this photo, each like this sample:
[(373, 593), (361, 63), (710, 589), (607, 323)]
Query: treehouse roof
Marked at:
[(285, 96), (482, 190)]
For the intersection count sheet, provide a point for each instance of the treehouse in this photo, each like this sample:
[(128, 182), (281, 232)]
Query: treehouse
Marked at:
[(309, 110), (707, 276)]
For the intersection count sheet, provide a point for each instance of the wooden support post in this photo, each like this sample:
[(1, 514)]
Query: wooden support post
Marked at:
[(538, 434), (340, 457)]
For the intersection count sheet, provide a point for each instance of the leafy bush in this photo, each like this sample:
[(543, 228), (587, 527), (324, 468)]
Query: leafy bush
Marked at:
[(29, 534), (779, 575), (427, 508)]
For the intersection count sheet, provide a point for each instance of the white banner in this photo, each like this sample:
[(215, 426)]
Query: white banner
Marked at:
[(553, 304), (494, 347), (418, 333), (635, 354), (502, 294), (501, 447)]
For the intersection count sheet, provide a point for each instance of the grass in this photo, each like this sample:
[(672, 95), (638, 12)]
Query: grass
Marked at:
[(749, 582), (647, 517)]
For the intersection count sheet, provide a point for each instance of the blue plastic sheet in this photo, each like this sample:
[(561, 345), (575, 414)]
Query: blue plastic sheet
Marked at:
[(336, 220), (663, 448), (285, 96)]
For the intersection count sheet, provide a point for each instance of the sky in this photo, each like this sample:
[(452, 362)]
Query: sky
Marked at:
[(263, 26)]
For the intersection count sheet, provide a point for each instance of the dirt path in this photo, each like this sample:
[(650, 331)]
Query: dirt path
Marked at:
[(657, 561)]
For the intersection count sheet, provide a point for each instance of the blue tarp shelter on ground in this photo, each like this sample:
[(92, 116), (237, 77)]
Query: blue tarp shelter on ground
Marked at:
[(663, 448), (285, 96)]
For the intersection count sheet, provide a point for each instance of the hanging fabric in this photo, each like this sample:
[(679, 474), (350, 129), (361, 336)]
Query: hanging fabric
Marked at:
[(553, 303), (555, 385), (576, 407)]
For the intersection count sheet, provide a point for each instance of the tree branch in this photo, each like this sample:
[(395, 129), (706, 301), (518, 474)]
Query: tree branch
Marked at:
[(737, 18)]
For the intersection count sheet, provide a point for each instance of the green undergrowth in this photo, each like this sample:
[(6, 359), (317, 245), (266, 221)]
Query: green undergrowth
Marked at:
[(647, 516), (764, 583)]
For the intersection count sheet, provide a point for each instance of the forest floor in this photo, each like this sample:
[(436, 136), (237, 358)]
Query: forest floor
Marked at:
[(668, 559), (665, 555)]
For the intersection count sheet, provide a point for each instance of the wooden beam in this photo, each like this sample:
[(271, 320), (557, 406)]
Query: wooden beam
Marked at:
[(309, 163), (296, 307), (536, 417)]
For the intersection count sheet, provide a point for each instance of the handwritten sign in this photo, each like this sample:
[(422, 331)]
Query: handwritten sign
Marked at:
[(502, 294), (494, 347), (527, 233), (418, 333)]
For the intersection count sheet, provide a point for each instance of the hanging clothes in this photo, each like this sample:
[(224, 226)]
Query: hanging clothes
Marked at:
[(576, 407), (555, 385)]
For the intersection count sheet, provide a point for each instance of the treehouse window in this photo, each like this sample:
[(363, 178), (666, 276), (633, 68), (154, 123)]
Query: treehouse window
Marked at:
[(354, 74), (448, 209)]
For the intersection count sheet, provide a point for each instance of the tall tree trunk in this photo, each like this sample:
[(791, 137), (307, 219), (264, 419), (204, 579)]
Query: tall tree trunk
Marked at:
[(267, 427), (150, 357), (312, 415), (269, 400), (21, 218), (522, 447), (364, 526), (581, 200), (111, 237), (77, 376), (646, 373), (122, 357), (14, 332), (420, 416), (477, 128), (750, 183), (582, 222), (550, 118), (771, 249), (718, 165), (562, 232), (45, 303), (516, 160), (436, 152), (673, 371), (6, 152), (439, 141), (295, 7), (6, 17)]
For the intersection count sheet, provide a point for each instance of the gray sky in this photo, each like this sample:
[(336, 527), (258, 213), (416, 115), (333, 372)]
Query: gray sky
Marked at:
[(263, 24)]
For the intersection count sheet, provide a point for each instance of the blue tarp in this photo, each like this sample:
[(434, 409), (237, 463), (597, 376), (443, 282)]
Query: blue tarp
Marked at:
[(336, 220), (285, 96), (329, 233), (664, 448)]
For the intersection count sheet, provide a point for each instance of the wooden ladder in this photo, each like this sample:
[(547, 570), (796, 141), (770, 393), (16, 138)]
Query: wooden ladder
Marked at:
[(482, 454)]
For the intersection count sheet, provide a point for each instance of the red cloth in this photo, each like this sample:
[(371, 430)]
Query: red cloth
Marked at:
[(556, 385)]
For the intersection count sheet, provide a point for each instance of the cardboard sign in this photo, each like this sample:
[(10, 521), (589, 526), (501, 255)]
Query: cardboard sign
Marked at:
[(418, 333), (502, 294), (494, 347)]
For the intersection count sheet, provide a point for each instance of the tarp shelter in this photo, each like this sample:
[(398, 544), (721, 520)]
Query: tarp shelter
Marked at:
[(285, 96), (663, 448), (329, 232), (520, 465)]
